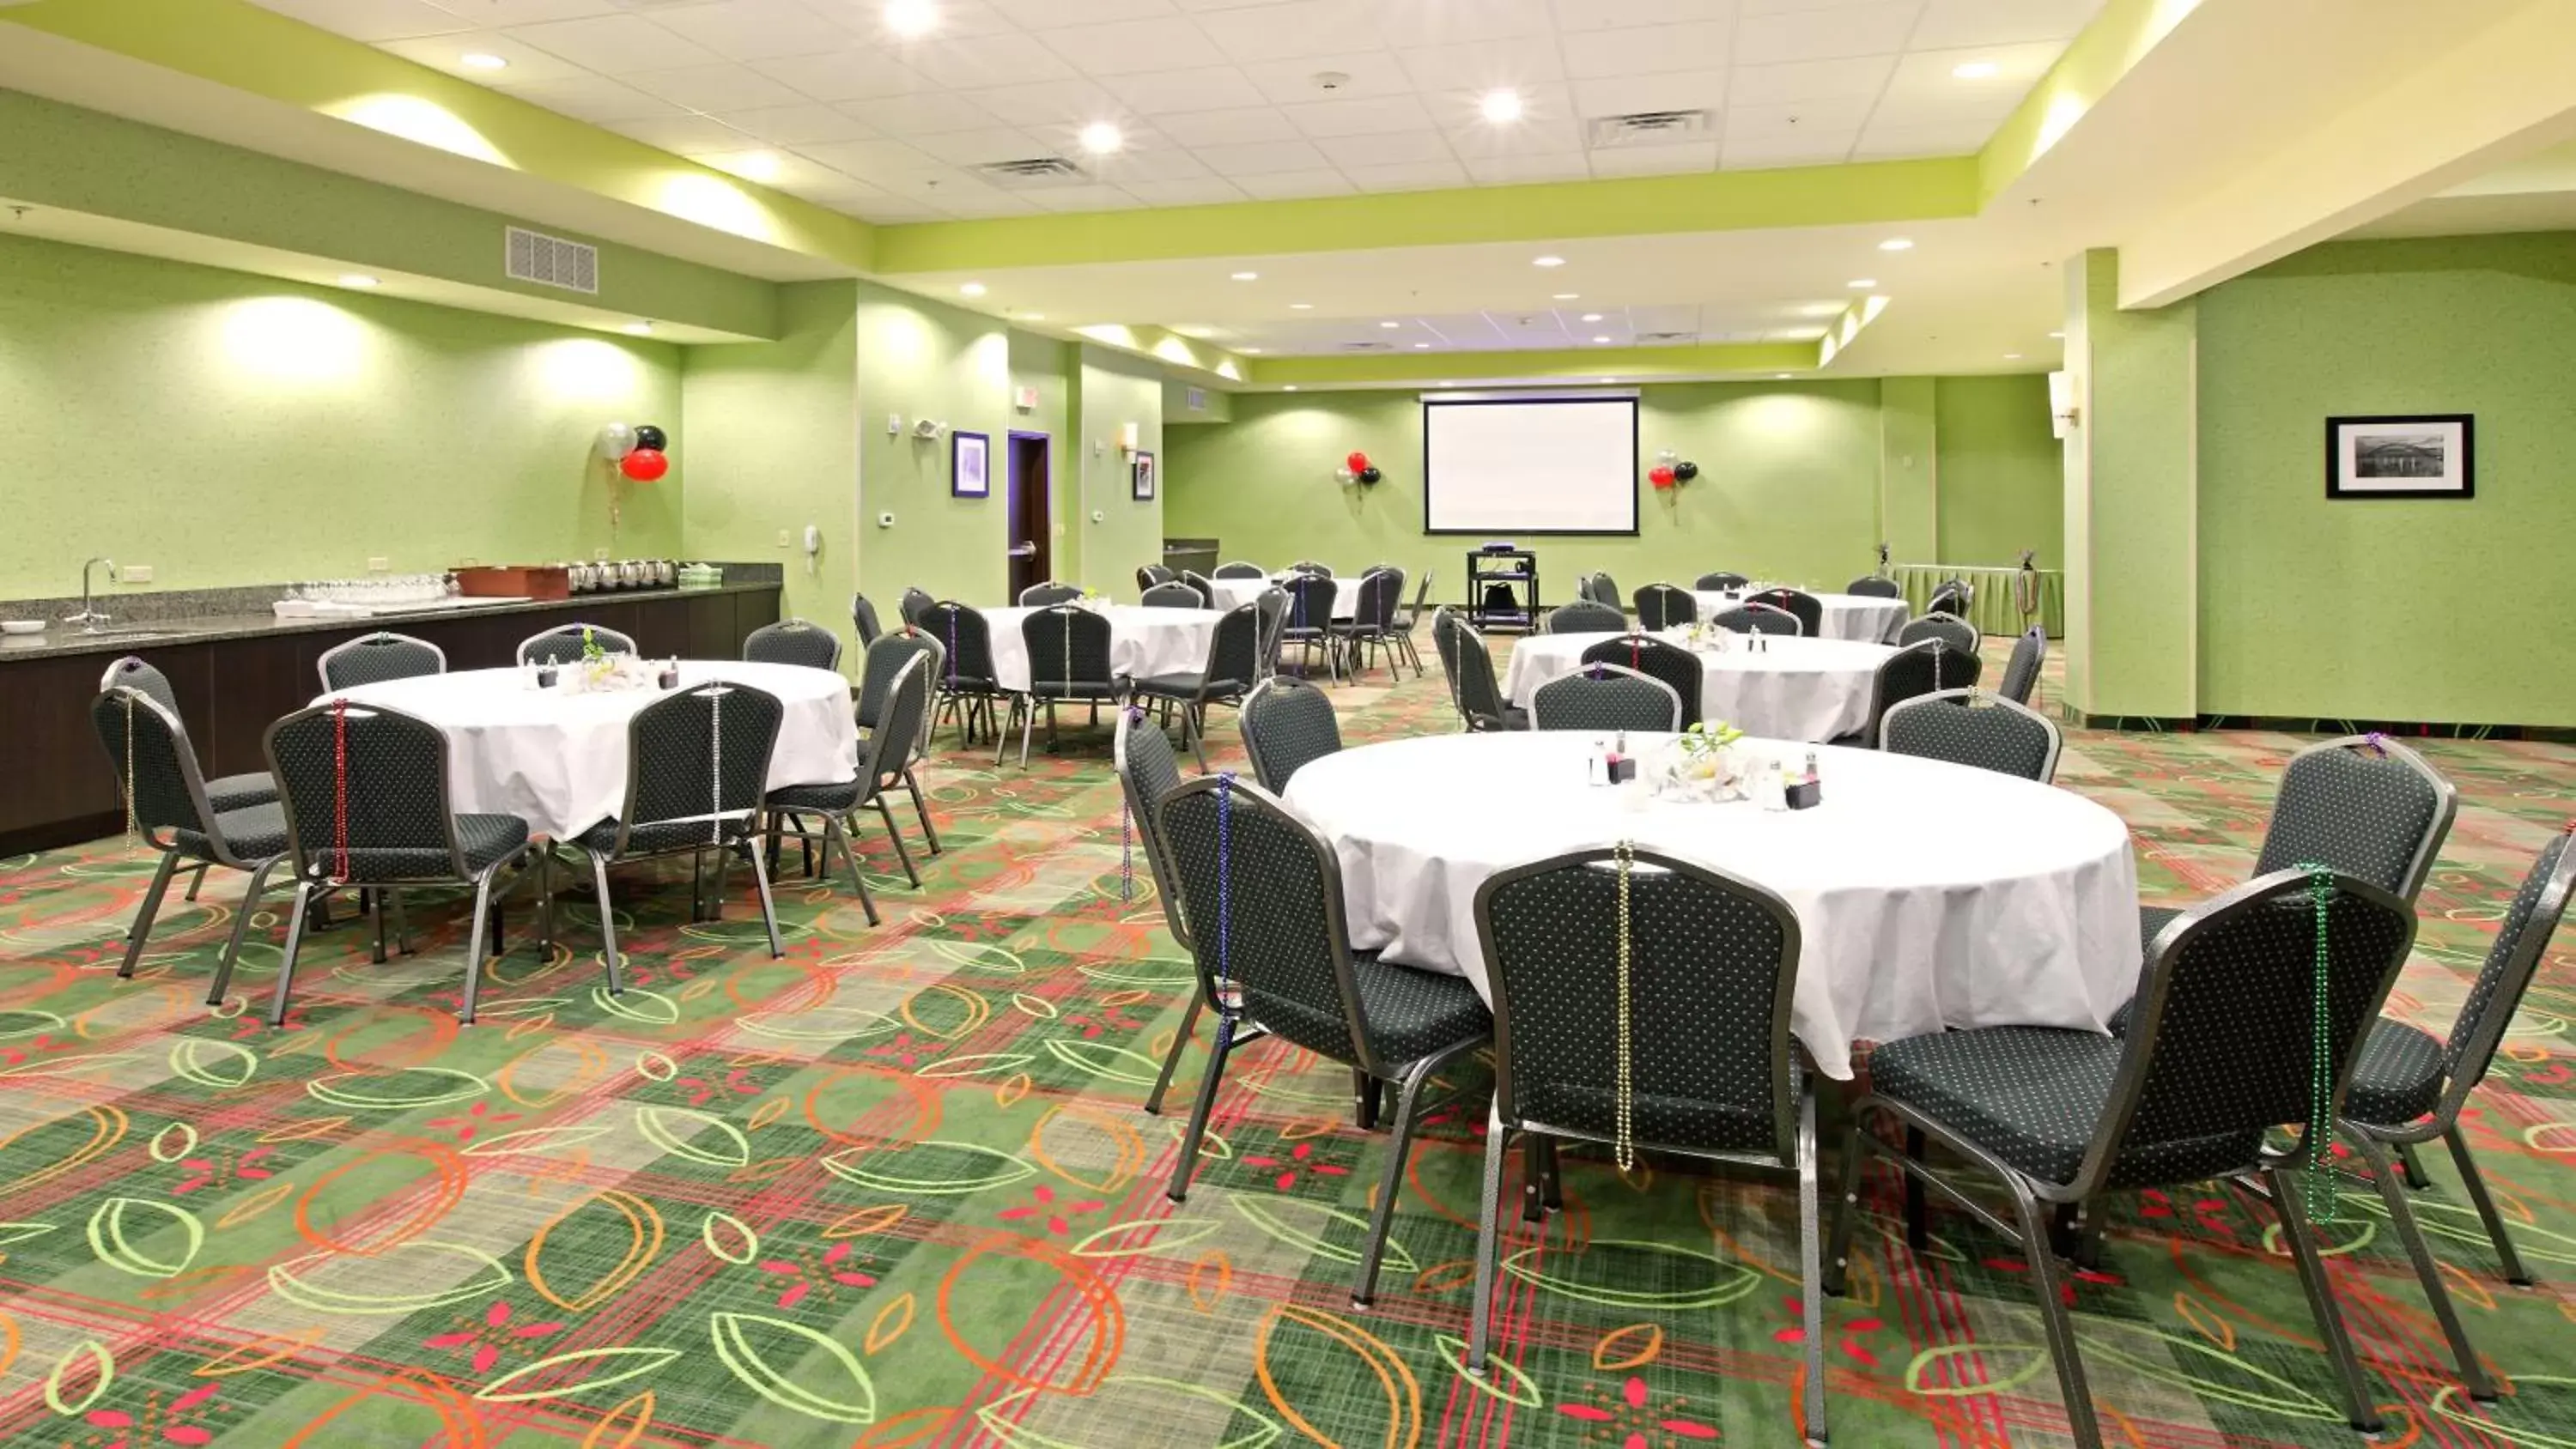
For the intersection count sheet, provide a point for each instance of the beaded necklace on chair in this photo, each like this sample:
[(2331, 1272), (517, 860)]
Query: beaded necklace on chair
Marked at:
[(2317, 1184), (715, 774), (1127, 824), (1625, 1143), (339, 792), (1224, 896), (132, 835)]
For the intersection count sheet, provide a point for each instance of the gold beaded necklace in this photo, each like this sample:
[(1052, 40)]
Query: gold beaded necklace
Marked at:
[(1626, 1144), (131, 833)]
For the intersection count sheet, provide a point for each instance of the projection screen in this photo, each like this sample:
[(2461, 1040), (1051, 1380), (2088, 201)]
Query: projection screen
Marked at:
[(1502, 465)]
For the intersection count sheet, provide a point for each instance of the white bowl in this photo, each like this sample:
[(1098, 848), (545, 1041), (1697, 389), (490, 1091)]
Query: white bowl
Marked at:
[(22, 626)]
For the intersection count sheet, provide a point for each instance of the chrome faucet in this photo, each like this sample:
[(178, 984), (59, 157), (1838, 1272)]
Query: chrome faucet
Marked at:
[(89, 617)]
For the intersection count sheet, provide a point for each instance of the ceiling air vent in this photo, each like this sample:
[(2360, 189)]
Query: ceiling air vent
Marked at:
[(1666, 339), (1646, 128), (1367, 347), (550, 261), (1034, 171)]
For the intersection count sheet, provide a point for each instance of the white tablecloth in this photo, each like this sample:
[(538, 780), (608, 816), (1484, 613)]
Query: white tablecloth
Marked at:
[(1847, 616), (558, 760), (1928, 895), (1142, 641), (1233, 592), (1796, 689)]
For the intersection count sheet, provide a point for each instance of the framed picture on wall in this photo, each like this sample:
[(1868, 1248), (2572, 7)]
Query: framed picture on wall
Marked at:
[(2426, 455), (1141, 482), (970, 465)]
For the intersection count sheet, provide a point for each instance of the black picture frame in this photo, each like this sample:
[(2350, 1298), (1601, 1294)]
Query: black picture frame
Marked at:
[(970, 468), (2418, 455), (1141, 479)]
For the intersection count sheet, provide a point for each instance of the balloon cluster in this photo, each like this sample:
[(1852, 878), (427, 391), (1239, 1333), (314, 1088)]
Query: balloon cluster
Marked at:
[(1358, 469), (637, 451), (1665, 475)]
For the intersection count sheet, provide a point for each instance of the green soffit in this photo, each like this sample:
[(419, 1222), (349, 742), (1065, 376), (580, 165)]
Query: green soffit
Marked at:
[(1626, 364)]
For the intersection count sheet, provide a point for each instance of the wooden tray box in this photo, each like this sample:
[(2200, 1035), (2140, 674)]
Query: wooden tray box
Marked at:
[(515, 581)]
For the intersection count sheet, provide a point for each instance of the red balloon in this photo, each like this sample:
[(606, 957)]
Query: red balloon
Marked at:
[(1661, 476), (644, 464), (1358, 462)]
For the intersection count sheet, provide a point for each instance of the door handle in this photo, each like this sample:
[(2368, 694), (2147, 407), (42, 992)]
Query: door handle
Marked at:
[(1024, 550)]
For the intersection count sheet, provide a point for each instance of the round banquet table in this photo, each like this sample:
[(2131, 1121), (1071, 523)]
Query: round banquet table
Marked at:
[(1796, 689), (1233, 593), (558, 760), (1847, 616), (1142, 642), (1929, 895)]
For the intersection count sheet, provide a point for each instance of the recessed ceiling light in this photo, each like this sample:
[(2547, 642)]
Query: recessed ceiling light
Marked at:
[(1033, 316), (1100, 138), (1547, 261), (1600, 339), (2058, 336), (1569, 296), (482, 60), (359, 280), (2012, 357), (1247, 276), (911, 17), (1301, 306), (1422, 347), (1292, 387), (1249, 351), (1390, 325), (1861, 284), (972, 289), (1976, 70), (1897, 244), (639, 329), (1501, 107), (754, 166), (1591, 316)]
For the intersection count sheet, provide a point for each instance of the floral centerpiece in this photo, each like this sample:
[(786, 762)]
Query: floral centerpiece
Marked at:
[(1705, 764)]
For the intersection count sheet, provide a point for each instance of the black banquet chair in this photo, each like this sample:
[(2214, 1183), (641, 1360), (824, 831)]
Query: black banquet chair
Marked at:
[(968, 684), (863, 619), (1952, 597), (1809, 609), (1956, 632), (1470, 667), (1586, 617), (1148, 771), (1171, 595), (1720, 582), (1974, 728), (915, 603), (1659, 659), (878, 667), (881, 768), (1309, 620), (1411, 619), (1240, 570), (2021, 671), (1606, 697), (1665, 606), (1232, 668), (224, 792), (1263, 893), (378, 658), (1049, 594), (1916, 669), (1069, 651), (1875, 587), (2231, 1043), (1757, 619), (1702, 1066), (793, 641), (1287, 724), (568, 643), (1371, 626)]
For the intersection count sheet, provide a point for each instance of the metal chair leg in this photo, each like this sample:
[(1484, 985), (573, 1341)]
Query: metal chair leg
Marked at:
[(402, 927), (1489, 1243), (1178, 1189), (1408, 1106), (2415, 1177), (1365, 1099), (1533, 1175), (2476, 1183), (1846, 1209), (1180, 1046), (196, 881), (607, 915), (1194, 726), (1811, 1272), (921, 808), (241, 930), (2083, 1426), (1552, 1180), (837, 836), (2472, 1373), (1918, 1218), (2321, 1301), (894, 833), (768, 908), (375, 908), (143, 914), (294, 946), (474, 944)]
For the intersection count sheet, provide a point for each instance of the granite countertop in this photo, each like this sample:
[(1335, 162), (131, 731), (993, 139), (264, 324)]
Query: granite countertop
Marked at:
[(60, 639)]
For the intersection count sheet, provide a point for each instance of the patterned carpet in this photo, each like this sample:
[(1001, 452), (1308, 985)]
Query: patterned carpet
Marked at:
[(896, 1189)]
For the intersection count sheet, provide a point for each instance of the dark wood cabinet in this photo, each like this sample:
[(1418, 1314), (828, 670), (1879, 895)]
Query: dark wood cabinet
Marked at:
[(57, 787)]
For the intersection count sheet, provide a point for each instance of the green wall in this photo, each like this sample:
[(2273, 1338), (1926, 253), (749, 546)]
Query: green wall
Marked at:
[(1118, 533), (1047, 365), (2002, 477), (1909, 471), (2390, 608), (225, 428), (921, 359)]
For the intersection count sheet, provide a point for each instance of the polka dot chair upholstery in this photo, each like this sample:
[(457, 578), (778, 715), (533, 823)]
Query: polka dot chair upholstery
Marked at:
[(1606, 697), (1665, 606), (385, 821), (1048, 595), (1758, 619), (2408, 1088), (1974, 728), (877, 669), (793, 641), (1173, 595), (378, 658), (1958, 633), (1874, 587), (1912, 671), (1308, 623), (1470, 667), (882, 766), (863, 619), (2021, 671), (1148, 772), (916, 601), (1232, 668), (1720, 582), (1605, 591), (1240, 570), (1809, 609), (1586, 616), (2224, 1052), (1069, 651), (1371, 626), (1288, 724), (966, 685), (1263, 894), (1677, 668), (156, 770), (563, 644), (1951, 598), (1713, 965), (224, 792)]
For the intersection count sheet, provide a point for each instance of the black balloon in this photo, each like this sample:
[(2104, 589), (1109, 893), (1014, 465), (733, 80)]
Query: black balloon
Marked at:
[(649, 436), (1370, 474), (1686, 471)]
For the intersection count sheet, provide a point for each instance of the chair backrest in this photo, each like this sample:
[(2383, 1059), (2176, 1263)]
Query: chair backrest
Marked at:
[(1287, 725), (1310, 602), (1665, 606), (1605, 591), (1809, 609), (967, 635), (566, 644), (1240, 570), (156, 767), (1874, 587), (1421, 600), (1471, 665), (132, 672), (2511, 963), (1263, 893), (1069, 648), (1273, 603), (1585, 617), (2021, 671), (877, 668), (2364, 805), (1958, 633), (697, 758), (1049, 594), (1605, 697), (1758, 619), (1380, 592), (1711, 973), (1148, 575), (1658, 659), (378, 657), (1972, 727), (1720, 582), (1950, 598), (1309, 566), (891, 747), (400, 825), (1174, 595), (1147, 772), (863, 618), (916, 602), (1234, 651), (1198, 582), (2222, 1045), (793, 641), (1915, 670)]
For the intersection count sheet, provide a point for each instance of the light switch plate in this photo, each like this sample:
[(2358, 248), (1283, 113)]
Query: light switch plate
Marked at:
[(782, 538), (379, 565), (135, 574)]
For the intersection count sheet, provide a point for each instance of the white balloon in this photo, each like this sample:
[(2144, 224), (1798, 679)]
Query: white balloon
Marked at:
[(1346, 475), (616, 441)]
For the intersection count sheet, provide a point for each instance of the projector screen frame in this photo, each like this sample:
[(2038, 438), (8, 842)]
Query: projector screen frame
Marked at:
[(1636, 451)]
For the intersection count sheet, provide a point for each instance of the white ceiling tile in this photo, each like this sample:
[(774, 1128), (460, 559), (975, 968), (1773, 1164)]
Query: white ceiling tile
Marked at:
[(985, 204), (797, 125), (1083, 198), (1576, 15), (1484, 65), (1475, 139), (527, 64), (1400, 148), (1239, 126), (682, 133), (371, 20), (1950, 111), (1368, 74), (1163, 92), (1666, 160), (614, 44), (1129, 46), (1810, 80), (1353, 117), (1287, 185), (1418, 176), (991, 60), (1075, 102), (1204, 191), (524, 12), (1284, 31), (982, 148), (848, 75), (766, 167), (592, 98), (1055, 14), (753, 29), (870, 159), (830, 188), (1262, 158), (924, 114), (1813, 148), (1931, 75), (1702, 45), (1799, 118), (894, 210), (2001, 22), (1515, 170), (726, 87), (1627, 95), (1845, 30), (1888, 142), (1447, 22)]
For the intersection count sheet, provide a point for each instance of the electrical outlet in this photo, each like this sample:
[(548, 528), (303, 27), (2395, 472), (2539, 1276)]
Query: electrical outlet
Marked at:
[(782, 538), (379, 565), (894, 425), (135, 574)]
